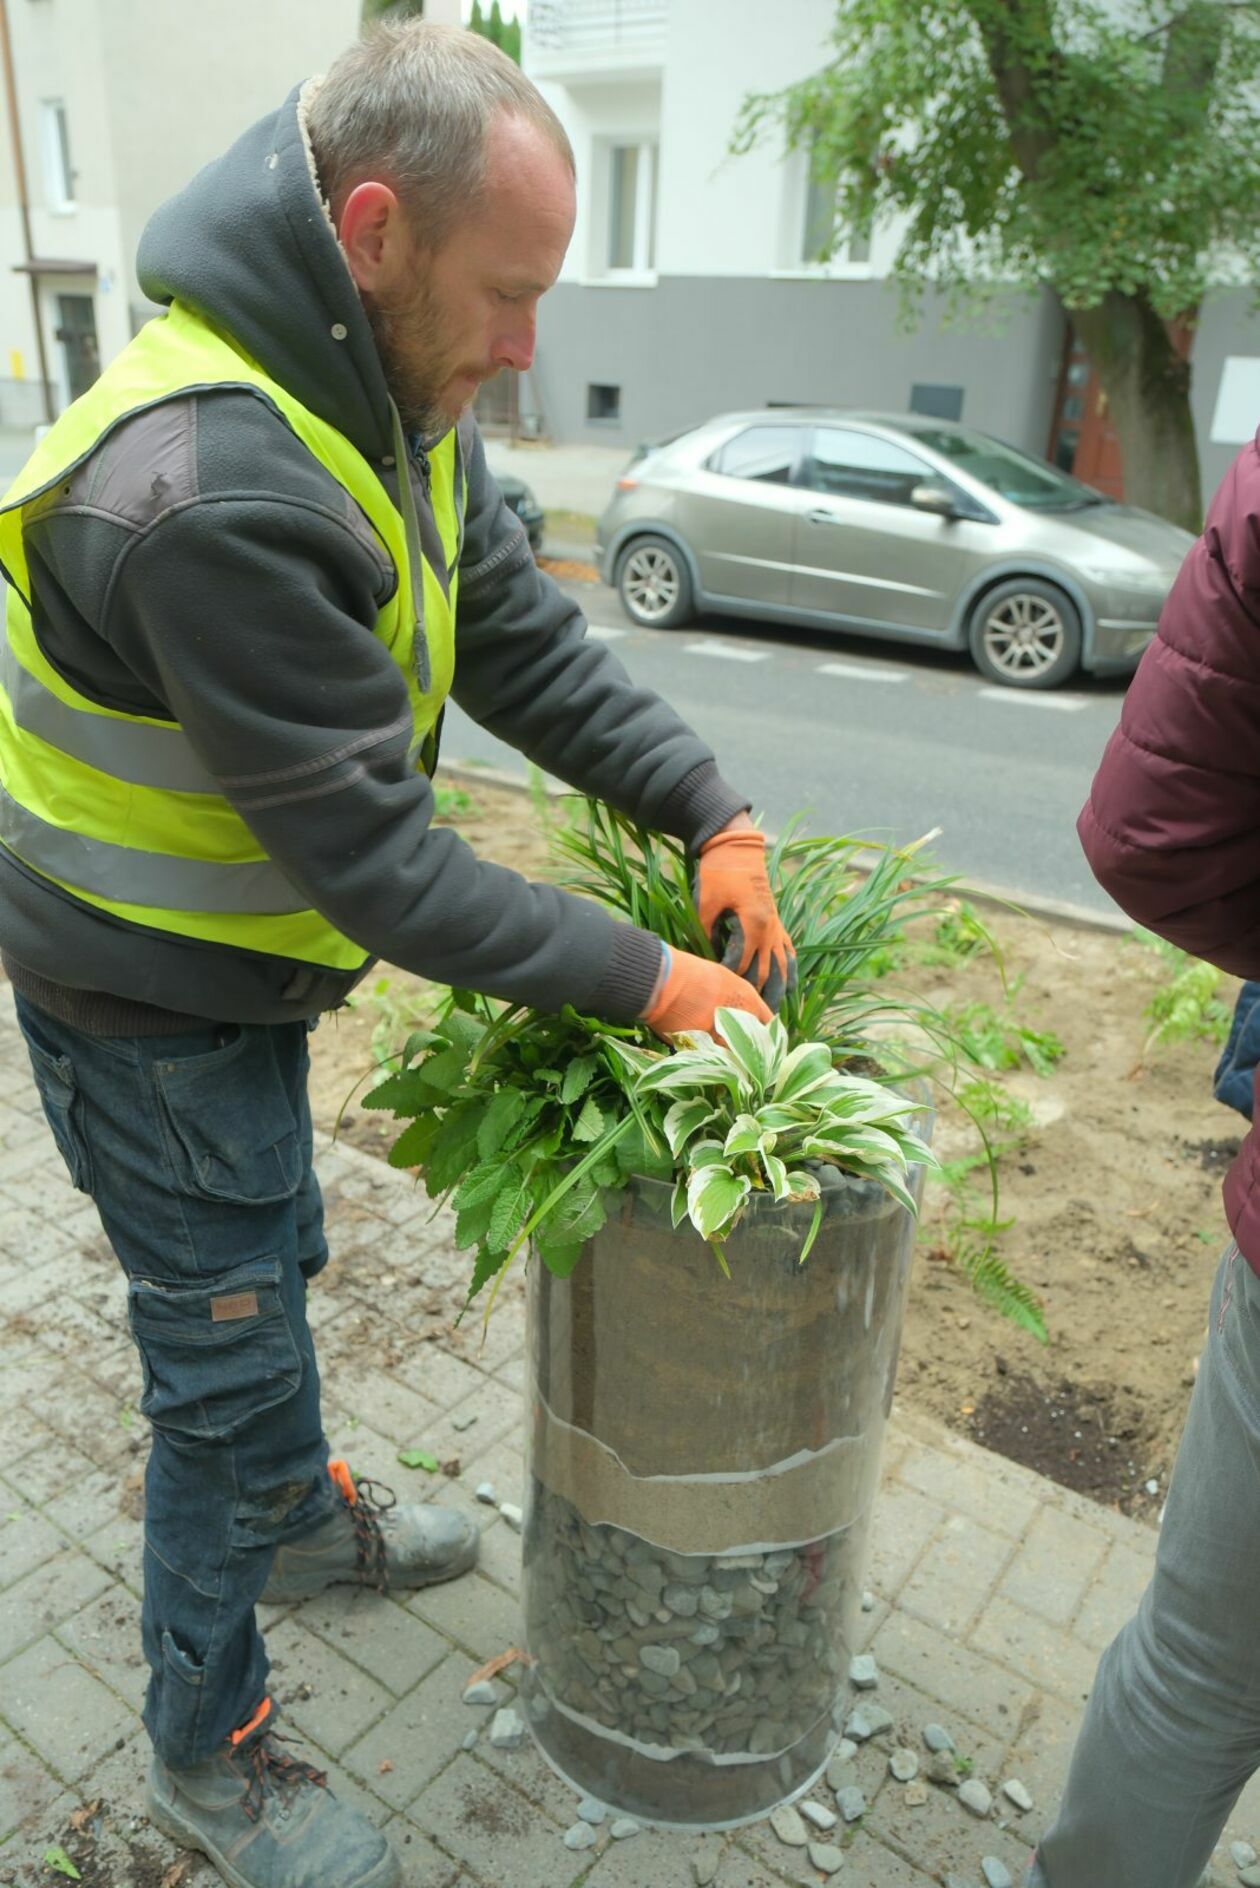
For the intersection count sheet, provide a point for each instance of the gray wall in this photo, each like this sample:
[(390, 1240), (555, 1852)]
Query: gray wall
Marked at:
[(1228, 325), (695, 346)]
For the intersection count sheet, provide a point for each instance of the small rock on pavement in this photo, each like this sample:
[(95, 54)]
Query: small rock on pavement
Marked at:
[(789, 1826), (936, 1737), (826, 1857), (512, 1515), (624, 1828), (592, 1811), (974, 1796), (1018, 1793), (942, 1769), (851, 1803), (485, 1691), (916, 1795), (818, 1813), (470, 1742), (859, 1725), (868, 1602), (580, 1836), (705, 1864), (1250, 1878), (485, 1492), (838, 1768), (1242, 1854), (465, 1421), (863, 1672), (904, 1764), (507, 1731), (996, 1873)]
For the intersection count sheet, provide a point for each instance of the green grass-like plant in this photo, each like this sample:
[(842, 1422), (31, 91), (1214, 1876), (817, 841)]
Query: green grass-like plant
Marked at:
[(1185, 1006), (528, 1121)]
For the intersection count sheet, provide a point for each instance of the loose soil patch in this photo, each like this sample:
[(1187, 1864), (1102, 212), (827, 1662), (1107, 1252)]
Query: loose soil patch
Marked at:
[(1115, 1198)]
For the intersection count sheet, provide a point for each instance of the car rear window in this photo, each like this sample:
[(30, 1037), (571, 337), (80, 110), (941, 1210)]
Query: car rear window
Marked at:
[(765, 453)]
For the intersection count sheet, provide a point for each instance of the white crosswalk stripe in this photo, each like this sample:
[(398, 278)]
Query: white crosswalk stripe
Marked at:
[(727, 651), (863, 671), (1032, 698)]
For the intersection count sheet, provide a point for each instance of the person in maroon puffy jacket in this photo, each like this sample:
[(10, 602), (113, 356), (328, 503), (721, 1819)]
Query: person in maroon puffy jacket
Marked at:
[(1172, 830)]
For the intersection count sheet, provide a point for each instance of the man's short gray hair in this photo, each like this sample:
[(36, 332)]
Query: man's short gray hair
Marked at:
[(410, 105)]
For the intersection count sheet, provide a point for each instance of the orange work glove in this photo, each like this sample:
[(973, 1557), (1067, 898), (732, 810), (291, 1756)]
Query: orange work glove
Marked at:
[(738, 912), (690, 990)]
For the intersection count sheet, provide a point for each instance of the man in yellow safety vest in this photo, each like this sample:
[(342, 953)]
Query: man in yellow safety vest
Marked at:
[(245, 572)]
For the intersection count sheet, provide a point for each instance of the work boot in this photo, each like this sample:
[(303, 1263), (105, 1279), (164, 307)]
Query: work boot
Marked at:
[(266, 1820), (372, 1541)]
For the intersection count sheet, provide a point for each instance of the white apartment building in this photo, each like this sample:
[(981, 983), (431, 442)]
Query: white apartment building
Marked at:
[(690, 289), (119, 103)]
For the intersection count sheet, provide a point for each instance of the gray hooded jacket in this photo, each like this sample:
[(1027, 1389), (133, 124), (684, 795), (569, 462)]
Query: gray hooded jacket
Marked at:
[(202, 566)]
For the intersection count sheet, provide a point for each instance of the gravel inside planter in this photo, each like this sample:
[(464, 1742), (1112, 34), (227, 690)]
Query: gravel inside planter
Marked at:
[(695, 1672)]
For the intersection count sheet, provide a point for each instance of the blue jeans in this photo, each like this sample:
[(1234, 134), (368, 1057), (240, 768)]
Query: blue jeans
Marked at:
[(1235, 1072), (196, 1149)]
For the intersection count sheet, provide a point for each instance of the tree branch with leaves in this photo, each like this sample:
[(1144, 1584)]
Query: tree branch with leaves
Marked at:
[(1110, 156)]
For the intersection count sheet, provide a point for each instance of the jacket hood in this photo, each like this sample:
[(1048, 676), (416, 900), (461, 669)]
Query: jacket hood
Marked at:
[(249, 244)]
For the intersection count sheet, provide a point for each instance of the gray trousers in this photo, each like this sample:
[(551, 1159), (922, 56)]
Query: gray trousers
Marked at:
[(1172, 1728)]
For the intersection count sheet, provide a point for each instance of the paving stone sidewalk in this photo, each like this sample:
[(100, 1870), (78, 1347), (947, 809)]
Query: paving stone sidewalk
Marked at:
[(994, 1591)]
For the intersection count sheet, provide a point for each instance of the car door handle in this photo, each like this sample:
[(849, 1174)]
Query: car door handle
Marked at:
[(819, 516)]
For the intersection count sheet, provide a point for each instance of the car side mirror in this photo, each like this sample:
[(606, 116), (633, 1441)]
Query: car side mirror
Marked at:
[(938, 499)]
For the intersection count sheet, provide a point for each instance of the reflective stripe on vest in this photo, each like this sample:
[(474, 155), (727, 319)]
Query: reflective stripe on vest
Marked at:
[(117, 808)]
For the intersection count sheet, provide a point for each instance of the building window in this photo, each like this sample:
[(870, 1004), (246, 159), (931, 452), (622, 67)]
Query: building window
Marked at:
[(631, 229), (54, 135), (937, 403), (80, 349), (818, 225), (603, 402)]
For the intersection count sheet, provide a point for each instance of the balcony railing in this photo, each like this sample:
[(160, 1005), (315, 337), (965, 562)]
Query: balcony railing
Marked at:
[(593, 27)]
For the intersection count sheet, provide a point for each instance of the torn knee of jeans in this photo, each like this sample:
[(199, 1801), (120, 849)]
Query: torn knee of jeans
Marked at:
[(264, 1510)]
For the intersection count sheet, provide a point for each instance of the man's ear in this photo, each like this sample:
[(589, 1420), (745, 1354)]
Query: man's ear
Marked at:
[(372, 231)]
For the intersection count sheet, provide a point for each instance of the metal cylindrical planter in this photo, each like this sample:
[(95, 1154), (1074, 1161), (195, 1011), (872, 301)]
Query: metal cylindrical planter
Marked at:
[(704, 1454)]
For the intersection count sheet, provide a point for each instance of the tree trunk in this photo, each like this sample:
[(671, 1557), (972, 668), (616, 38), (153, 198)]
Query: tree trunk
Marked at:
[(1147, 383)]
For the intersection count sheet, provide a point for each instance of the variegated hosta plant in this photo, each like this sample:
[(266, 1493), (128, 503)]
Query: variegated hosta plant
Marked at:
[(531, 1124), (747, 1112)]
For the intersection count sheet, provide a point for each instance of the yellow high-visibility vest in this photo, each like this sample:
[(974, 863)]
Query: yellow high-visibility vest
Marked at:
[(116, 808)]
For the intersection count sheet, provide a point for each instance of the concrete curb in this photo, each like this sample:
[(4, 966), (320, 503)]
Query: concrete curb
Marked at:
[(1019, 904)]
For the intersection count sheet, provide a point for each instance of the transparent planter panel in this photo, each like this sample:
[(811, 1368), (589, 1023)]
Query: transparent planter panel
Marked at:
[(704, 1454)]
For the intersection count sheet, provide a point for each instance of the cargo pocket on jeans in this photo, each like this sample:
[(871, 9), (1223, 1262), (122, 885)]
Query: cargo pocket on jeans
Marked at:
[(63, 1107), (214, 1354), (230, 1124)]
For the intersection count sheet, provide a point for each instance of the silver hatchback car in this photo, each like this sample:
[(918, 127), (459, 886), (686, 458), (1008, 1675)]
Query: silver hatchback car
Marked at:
[(905, 527)]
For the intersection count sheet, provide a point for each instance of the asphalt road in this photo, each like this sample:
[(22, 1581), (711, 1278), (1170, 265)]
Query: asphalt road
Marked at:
[(881, 739)]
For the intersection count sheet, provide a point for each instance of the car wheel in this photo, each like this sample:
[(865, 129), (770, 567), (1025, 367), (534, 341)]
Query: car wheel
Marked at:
[(654, 583), (1026, 633)]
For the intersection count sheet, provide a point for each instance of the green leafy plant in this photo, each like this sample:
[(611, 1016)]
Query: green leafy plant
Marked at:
[(747, 1112), (1185, 1007), (992, 1041), (959, 936), (395, 1011), (994, 1108), (453, 802), (529, 1122)]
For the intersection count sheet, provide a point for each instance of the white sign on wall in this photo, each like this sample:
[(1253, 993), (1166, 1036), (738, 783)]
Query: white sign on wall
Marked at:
[(1237, 414)]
